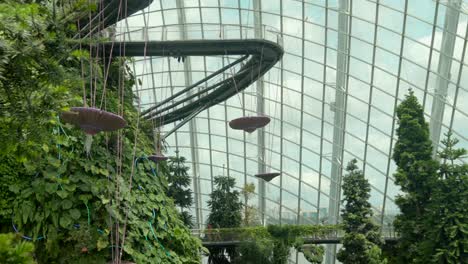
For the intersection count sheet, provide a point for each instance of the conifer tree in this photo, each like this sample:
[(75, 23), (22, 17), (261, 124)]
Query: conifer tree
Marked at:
[(225, 204), (179, 187), (448, 223), (416, 175), (225, 207), (362, 239)]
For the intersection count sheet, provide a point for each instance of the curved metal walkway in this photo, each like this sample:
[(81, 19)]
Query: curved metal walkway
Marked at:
[(260, 56), (111, 12)]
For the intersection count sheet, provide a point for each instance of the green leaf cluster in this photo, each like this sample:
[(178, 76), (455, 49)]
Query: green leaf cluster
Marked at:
[(224, 204), (416, 175), (447, 223), (272, 244), (15, 251), (312, 253), (362, 238), (179, 187), (225, 211), (77, 203), (9, 178), (433, 220)]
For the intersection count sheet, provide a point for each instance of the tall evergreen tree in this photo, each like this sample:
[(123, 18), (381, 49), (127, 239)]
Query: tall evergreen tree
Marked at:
[(416, 175), (225, 204), (226, 207), (362, 239), (179, 187), (448, 224)]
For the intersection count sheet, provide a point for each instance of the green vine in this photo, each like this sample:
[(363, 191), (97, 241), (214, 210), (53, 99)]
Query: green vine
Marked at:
[(65, 201)]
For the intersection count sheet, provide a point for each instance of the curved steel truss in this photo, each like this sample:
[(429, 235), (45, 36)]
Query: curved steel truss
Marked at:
[(260, 55)]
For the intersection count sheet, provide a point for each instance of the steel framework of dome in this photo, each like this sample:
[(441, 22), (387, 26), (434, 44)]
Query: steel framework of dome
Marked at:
[(332, 97)]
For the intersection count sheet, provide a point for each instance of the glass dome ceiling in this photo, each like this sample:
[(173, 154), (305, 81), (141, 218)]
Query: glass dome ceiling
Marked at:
[(332, 97)]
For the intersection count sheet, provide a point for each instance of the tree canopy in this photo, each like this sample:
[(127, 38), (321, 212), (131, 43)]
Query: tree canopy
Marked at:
[(416, 175), (362, 238), (225, 211), (447, 223)]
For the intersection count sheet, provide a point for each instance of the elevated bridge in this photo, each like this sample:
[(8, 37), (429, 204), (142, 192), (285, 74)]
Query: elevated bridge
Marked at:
[(224, 238)]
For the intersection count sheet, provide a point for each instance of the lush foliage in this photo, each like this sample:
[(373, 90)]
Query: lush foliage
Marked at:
[(77, 208), (416, 175), (225, 211), (15, 251), (272, 244), (257, 247), (224, 204), (312, 253), (9, 172), (447, 224), (36, 76), (362, 237), (179, 187)]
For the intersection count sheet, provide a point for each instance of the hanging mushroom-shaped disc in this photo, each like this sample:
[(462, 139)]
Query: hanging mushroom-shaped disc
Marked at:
[(267, 176), (157, 157), (93, 120), (249, 123)]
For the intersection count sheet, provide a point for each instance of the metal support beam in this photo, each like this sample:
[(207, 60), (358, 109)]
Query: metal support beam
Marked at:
[(339, 119), (260, 110), (452, 14), (192, 86), (192, 123), (181, 123)]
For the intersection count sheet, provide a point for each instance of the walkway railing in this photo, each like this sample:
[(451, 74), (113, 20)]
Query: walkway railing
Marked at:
[(193, 31), (258, 54), (235, 236)]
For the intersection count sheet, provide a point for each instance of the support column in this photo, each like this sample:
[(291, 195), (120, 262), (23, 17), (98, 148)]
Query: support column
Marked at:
[(339, 119), (258, 33), (192, 123), (452, 14)]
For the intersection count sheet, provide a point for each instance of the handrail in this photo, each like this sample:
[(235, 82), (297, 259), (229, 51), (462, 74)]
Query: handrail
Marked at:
[(263, 55), (235, 236), (192, 31)]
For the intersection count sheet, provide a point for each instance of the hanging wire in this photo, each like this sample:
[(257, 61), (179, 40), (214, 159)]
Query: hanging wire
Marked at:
[(106, 70), (278, 88), (234, 80), (82, 65), (164, 93), (132, 171), (116, 254)]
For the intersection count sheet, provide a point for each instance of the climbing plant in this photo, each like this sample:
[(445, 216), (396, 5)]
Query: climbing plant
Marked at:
[(73, 205)]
